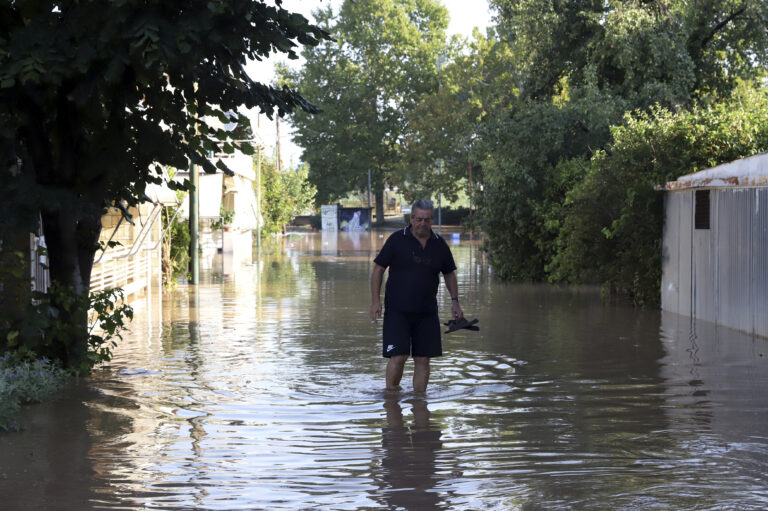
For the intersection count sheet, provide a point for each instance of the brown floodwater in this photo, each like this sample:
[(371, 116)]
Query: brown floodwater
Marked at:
[(264, 390)]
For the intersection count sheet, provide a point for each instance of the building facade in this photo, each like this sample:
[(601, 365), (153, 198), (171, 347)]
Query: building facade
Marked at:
[(225, 247)]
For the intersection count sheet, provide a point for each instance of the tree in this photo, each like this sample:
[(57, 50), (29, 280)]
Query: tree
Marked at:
[(550, 39), (96, 95), (579, 67), (284, 195), (612, 232), (662, 52), (366, 81), (525, 150), (443, 125)]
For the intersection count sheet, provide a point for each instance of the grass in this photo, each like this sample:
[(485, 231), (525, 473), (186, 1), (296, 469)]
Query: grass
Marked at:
[(23, 382)]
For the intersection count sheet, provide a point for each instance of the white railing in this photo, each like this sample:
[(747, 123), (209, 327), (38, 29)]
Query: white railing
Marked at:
[(128, 267), (38, 263), (131, 272)]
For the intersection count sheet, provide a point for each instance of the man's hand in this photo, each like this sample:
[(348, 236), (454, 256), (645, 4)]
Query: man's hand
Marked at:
[(456, 310), (452, 284), (375, 311)]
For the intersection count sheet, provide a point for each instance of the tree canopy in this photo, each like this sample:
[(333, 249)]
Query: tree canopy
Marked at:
[(95, 96), (579, 68), (284, 195), (613, 227), (366, 81)]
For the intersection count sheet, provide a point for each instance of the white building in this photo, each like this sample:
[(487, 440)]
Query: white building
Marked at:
[(234, 243)]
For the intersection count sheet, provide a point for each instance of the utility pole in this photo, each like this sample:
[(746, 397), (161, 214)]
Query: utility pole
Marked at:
[(279, 156), (194, 224), (440, 61), (440, 198), (258, 188), (194, 216), (469, 165)]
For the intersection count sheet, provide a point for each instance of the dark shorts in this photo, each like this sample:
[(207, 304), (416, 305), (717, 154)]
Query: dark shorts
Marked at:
[(411, 333)]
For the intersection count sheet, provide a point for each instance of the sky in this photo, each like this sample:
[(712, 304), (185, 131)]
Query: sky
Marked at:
[(465, 16)]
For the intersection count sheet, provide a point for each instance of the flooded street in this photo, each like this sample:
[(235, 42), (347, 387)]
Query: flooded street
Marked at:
[(264, 390)]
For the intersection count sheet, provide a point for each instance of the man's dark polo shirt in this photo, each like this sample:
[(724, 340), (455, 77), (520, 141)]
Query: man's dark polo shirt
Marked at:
[(413, 270)]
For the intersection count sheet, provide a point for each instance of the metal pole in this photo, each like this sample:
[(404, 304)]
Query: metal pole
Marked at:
[(279, 155), (469, 164), (258, 189), (258, 201), (440, 60), (440, 199), (369, 192), (194, 225)]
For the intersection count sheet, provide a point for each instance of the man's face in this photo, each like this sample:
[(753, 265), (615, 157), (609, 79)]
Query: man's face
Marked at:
[(421, 220)]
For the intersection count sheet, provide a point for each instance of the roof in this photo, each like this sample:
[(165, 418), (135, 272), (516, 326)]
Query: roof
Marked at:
[(161, 194), (751, 171)]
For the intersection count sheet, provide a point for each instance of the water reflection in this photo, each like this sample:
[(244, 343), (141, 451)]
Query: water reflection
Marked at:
[(408, 465), (265, 391)]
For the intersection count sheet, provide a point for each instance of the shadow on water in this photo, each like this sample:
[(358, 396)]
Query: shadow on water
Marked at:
[(264, 391)]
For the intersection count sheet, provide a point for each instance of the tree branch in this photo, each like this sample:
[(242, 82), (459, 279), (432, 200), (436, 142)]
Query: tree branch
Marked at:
[(720, 26)]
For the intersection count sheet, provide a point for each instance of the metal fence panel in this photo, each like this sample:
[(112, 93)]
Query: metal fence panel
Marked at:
[(685, 254), (677, 254), (670, 254), (734, 227), (703, 263), (759, 273)]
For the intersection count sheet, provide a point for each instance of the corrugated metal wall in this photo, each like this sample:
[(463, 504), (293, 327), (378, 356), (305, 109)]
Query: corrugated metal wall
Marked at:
[(718, 274), (676, 253), (732, 231), (759, 269), (703, 264)]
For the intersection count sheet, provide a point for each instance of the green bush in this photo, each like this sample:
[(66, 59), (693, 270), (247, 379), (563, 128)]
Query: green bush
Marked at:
[(33, 346), (46, 330), (25, 381), (524, 178), (226, 217), (175, 248), (613, 219), (283, 196)]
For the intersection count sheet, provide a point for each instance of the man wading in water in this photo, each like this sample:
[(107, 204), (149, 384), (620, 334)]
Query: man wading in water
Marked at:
[(415, 257)]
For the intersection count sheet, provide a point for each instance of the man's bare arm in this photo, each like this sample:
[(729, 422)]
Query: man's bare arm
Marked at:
[(377, 276)]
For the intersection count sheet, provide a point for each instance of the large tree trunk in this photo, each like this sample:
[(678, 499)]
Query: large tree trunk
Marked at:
[(15, 289), (71, 248)]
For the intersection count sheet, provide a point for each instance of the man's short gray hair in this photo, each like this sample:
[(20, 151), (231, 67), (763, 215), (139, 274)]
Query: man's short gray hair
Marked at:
[(423, 204)]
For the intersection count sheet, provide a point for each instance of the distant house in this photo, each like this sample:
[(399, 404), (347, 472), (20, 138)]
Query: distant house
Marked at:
[(715, 245), (231, 246), (135, 264)]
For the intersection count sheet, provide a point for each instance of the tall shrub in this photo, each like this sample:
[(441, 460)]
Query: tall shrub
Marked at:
[(614, 218)]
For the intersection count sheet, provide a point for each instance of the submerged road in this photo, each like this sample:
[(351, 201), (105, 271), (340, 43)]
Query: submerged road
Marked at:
[(264, 390)]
